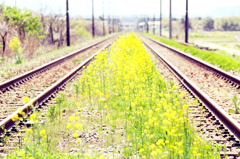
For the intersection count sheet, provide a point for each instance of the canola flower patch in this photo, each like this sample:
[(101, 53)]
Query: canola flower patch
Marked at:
[(125, 82), (123, 100)]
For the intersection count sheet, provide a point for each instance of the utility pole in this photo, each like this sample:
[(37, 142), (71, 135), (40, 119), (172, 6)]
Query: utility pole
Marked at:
[(145, 21), (186, 23), (160, 18), (103, 19), (147, 24), (170, 20), (93, 34), (68, 28)]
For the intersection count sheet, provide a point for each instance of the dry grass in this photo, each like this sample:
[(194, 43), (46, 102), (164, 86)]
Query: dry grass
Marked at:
[(41, 56)]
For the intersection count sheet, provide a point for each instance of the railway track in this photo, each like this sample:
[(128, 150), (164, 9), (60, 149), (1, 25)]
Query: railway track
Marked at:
[(210, 117), (41, 85)]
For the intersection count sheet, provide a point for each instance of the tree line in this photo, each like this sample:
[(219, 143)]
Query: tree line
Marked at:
[(222, 24), (40, 29)]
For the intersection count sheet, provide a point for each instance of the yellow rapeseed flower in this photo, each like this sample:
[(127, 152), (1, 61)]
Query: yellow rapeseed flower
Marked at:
[(154, 153), (141, 150), (42, 132), (33, 116), (185, 107), (25, 99), (69, 125), (21, 153), (75, 135), (71, 118), (78, 126), (180, 151), (15, 117), (153, 146), (29, 131), (78, 141)]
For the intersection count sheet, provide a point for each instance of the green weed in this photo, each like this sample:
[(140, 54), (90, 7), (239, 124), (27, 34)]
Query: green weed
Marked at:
[(223, 61)]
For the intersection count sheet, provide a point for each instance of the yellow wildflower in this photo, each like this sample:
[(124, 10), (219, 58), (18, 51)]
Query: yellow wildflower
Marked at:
[(42, 132), (78, 126), (71, 118), (185, 107), (29, 131), (69, 126), (21, 153), (154, 153), (182, 94), (15, 117), (180, 151), (141, 150), (75, 135), (78, 141), (153, 146), (25, 99), (33, 116)]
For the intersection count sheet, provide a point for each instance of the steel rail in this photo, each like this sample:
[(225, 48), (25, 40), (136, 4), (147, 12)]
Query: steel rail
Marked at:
[(21, 78), (234, 79), (8, 122), (223, 116)]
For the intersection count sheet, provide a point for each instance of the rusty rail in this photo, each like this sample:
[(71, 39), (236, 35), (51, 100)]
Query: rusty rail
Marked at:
[(21, 78), (234, 79), (8, 122), (226, 119)]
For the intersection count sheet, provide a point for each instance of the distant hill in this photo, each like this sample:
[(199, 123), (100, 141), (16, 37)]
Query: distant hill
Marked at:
[(224, 12), (214, 13)]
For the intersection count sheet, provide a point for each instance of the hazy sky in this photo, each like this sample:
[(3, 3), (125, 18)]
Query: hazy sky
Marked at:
[(124, 7)]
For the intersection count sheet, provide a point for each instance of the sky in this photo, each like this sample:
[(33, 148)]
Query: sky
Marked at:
[(124, 7)]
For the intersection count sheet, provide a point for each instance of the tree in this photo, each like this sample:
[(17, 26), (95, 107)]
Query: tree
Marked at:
[(208, 23), (13, 20), (189, 23), (231, 23), (5, 29)]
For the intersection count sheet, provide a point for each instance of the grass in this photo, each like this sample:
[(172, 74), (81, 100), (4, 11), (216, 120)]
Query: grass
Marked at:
[(124, 101), (220, 59), (222, 39), (219, 39)]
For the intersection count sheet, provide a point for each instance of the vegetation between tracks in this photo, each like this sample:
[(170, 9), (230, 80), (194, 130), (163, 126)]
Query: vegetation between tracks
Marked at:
[(222, 60), (133, 107)]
